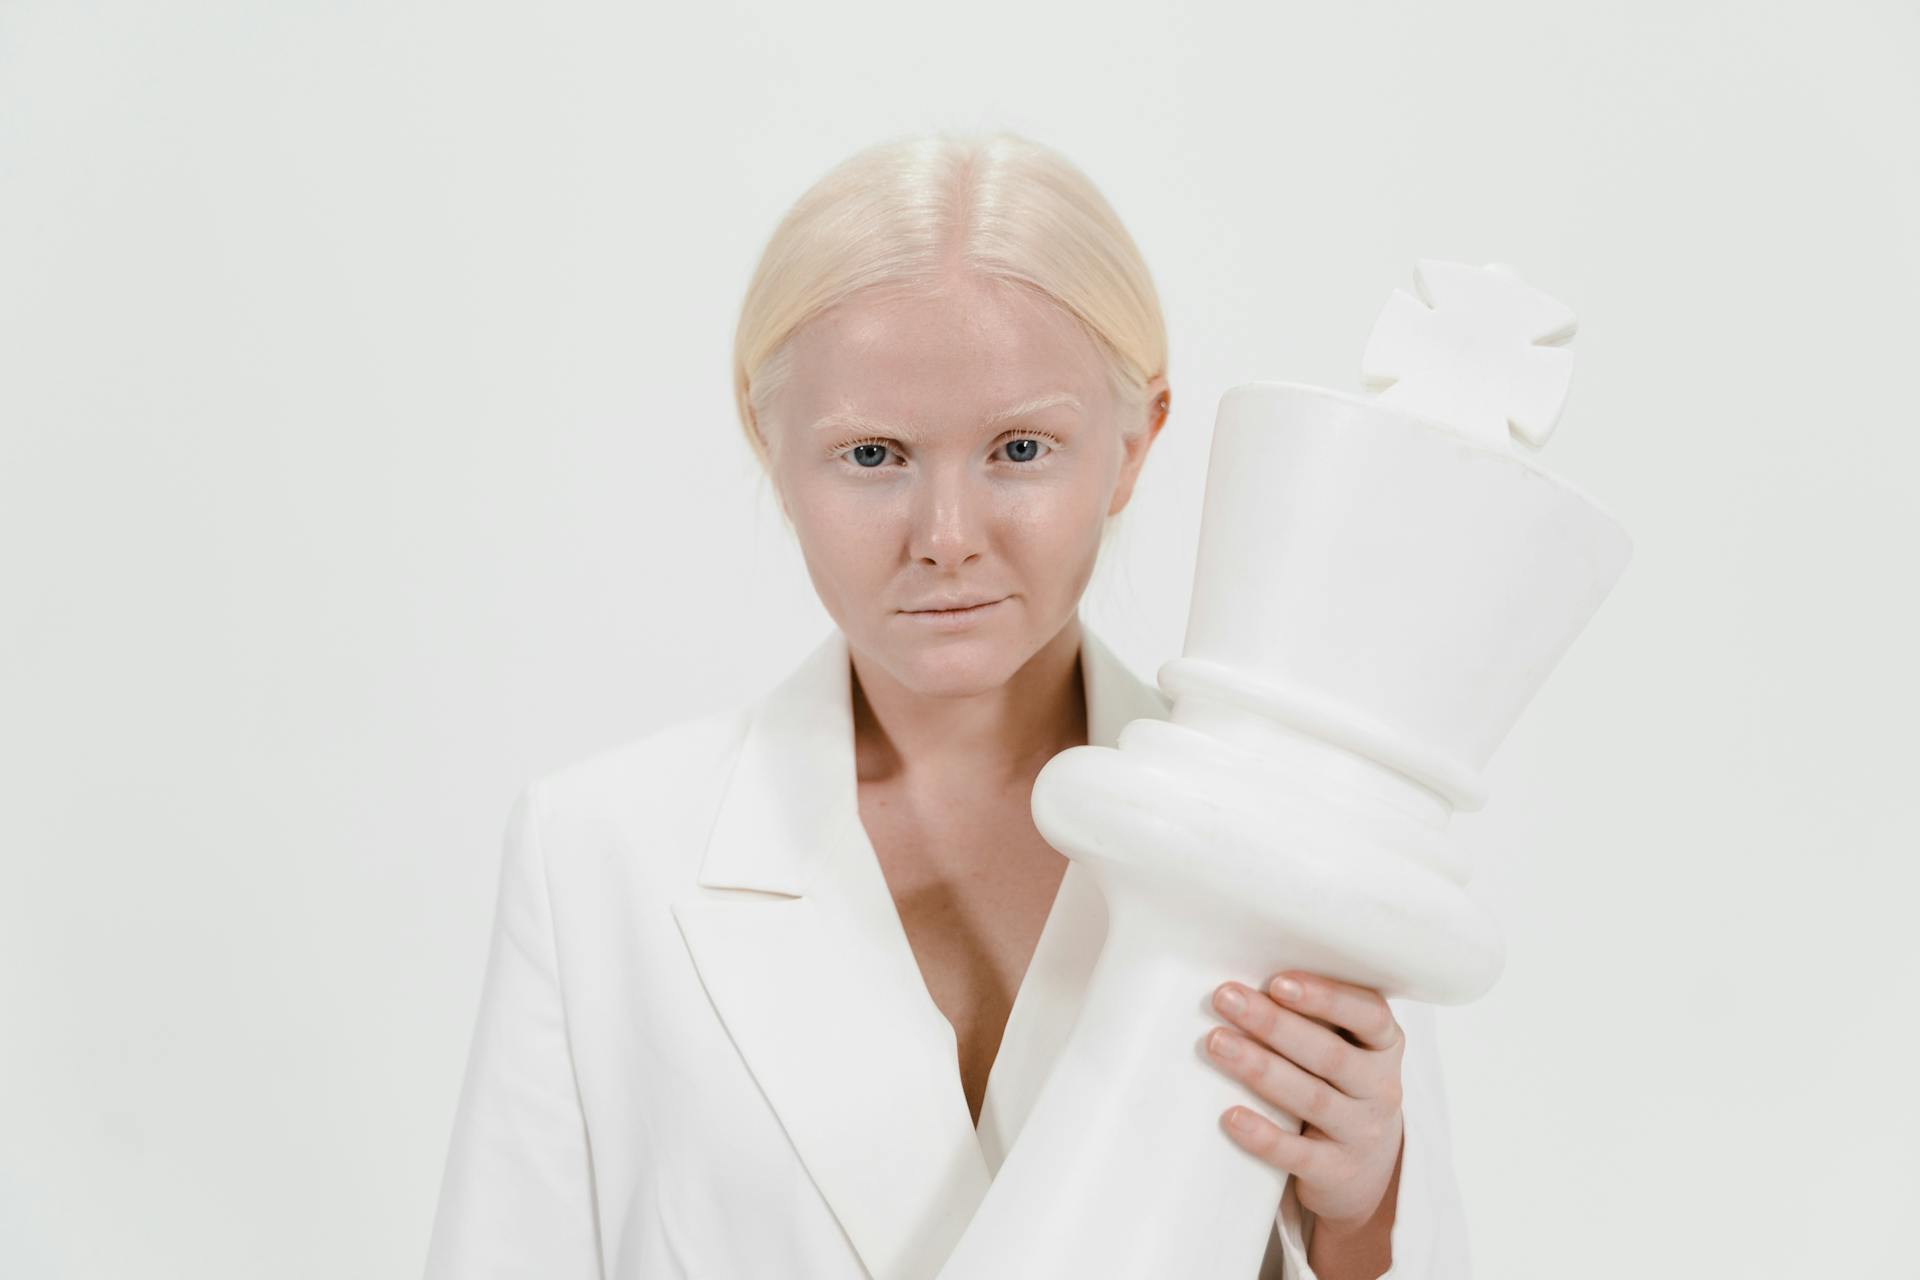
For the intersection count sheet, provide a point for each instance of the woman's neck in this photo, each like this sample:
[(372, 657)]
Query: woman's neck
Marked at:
[(998, 737)]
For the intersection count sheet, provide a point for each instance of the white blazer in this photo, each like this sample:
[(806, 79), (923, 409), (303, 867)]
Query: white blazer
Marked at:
[(705, 1049)]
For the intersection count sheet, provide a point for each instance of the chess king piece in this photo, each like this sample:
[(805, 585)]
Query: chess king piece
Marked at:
[(1383, 582)]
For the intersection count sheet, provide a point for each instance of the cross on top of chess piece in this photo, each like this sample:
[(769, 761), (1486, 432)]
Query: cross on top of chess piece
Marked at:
[(1478, 351)]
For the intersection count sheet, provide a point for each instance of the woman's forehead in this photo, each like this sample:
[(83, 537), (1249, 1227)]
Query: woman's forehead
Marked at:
[(884, 357)]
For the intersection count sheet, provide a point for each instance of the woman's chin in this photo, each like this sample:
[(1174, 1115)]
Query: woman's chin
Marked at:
[(953, 666)]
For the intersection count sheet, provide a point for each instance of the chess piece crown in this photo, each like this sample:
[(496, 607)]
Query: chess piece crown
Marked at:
[(1393, 573)]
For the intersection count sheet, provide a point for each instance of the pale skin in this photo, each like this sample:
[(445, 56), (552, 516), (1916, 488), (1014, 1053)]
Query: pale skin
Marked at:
[(906, 487)]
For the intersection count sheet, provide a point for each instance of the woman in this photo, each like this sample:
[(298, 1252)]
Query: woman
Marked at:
[(771, 990)]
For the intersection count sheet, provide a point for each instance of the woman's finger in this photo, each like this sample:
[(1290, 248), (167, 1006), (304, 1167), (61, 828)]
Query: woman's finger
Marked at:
[(1308, 1043), (1285, 1084), (1360, 1011), (1299, 1154)]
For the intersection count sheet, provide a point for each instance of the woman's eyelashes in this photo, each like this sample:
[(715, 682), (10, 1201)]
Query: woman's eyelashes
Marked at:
[(867, 455), (1024, 449)]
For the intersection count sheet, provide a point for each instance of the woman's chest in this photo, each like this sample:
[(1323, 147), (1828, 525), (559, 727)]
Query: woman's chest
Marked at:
[(973, 883)]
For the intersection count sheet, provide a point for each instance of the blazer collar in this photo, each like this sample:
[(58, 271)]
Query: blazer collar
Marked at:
[(797, 765), (799, 945)]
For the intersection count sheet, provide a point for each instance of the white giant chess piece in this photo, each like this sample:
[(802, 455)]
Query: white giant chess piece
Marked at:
[(1383, 583)]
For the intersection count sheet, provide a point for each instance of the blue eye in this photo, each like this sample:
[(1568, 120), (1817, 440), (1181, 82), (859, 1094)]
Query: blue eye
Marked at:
[(1023, 448)]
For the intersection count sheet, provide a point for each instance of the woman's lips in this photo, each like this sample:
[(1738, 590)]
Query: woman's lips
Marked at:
[(950, 619)]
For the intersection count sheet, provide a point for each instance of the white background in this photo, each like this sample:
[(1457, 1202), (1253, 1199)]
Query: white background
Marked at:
[(368, 449)]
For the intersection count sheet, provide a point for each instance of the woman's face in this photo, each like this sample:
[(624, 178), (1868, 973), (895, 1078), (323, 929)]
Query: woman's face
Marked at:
[(957, 448)]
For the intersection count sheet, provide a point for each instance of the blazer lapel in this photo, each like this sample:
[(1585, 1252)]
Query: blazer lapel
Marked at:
[(816, 982), (1048, 1001), (798, 944)]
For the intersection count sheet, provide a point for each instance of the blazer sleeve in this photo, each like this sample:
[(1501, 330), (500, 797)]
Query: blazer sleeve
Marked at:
[(1429, 1237), (516, 1197)]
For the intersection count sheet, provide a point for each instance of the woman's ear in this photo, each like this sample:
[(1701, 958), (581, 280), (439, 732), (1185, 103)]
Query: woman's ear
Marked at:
[(768, 466), (760, 437), (779, 499), (1159, 402)]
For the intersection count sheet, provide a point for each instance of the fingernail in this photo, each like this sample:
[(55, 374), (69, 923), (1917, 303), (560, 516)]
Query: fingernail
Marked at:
[(1242, 1119), (1286, 988), (1232, 1001), (1224, 1045)]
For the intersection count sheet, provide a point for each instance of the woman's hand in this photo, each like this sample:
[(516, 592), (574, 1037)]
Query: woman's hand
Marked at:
[(1327, 1052)]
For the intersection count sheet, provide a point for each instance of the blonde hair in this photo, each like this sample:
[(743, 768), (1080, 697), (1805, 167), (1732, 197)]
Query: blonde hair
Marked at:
[(904, 213)]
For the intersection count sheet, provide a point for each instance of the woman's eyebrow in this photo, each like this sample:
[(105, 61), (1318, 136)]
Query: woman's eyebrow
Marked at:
[(860, 422)]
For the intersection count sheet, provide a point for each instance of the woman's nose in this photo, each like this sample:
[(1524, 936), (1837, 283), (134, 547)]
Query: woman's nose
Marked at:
[(949, 520)]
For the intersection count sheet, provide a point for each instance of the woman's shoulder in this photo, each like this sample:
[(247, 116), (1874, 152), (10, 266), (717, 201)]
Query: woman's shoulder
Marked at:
[(638, 808), (674, 761)]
